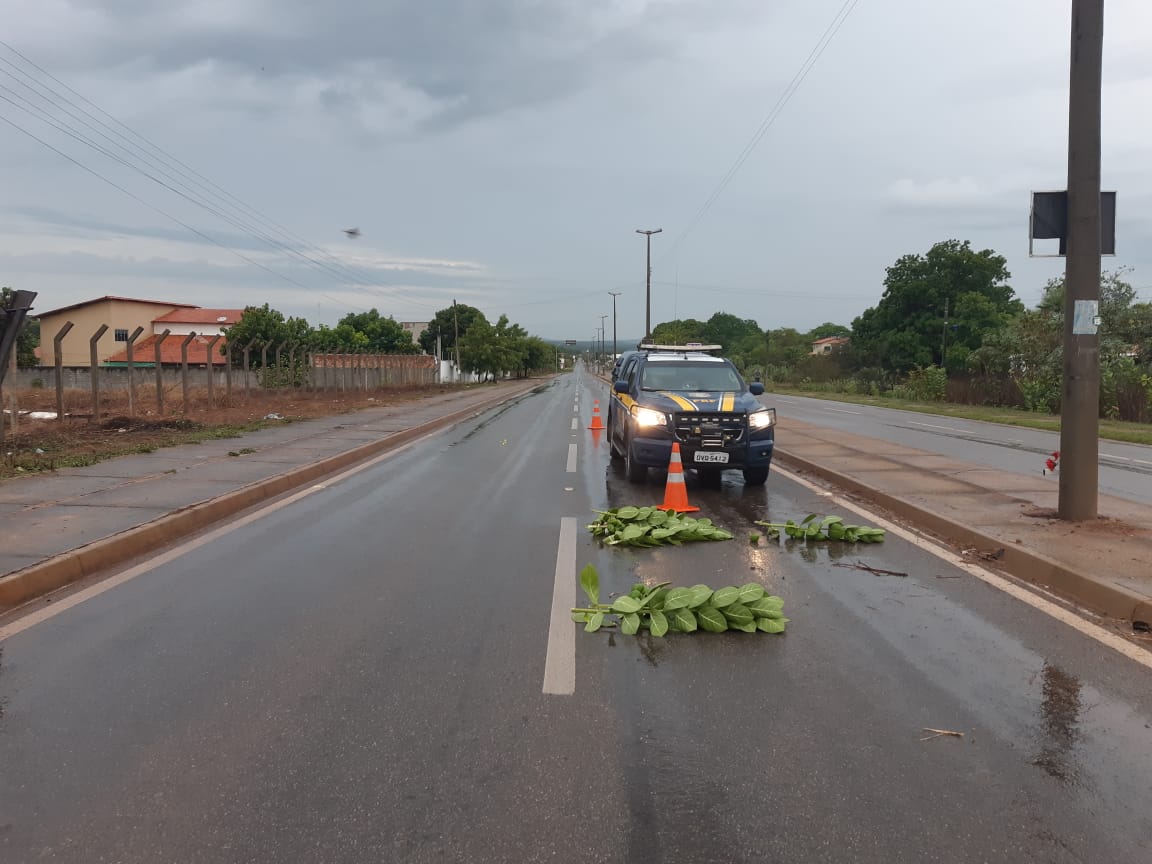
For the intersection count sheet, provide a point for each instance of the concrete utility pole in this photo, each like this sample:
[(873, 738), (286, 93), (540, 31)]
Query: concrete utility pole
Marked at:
[(1080, 408), (648, 283), (614, 294)]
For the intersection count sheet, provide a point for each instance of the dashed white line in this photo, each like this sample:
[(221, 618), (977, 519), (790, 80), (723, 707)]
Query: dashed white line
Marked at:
[(1053, 610), (571, 469), (937, 426), (842, 410), (573, 422), (560, 661)]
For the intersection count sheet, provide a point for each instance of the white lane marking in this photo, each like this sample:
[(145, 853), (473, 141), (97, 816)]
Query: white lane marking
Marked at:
[(560, 661), (575, 409), (571, 468), (30, 620), (842, 410), (937, 426), (1053, 610), (573, 422)]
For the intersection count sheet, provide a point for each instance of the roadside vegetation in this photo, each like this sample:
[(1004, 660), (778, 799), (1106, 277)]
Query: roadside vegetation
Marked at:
[(948, 336)]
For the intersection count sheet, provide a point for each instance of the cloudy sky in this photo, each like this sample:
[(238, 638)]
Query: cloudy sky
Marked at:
[(503, 152)]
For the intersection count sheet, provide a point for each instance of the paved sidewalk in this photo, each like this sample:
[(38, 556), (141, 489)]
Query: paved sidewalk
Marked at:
[(1104, 566), (48, 517)]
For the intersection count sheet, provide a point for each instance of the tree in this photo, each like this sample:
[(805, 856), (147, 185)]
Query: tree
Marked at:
[(539, 356), (906, 329), (445, 323), (29, 338), (370, 331), (678, 332), (264, 326), (828, 330), (493, 349)]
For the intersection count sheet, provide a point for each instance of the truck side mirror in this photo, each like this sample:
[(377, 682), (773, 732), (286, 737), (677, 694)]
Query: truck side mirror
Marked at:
[(620, 386), (756, 388)]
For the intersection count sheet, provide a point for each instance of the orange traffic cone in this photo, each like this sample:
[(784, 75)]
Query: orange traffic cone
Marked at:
[(596, 422), (675, 493)]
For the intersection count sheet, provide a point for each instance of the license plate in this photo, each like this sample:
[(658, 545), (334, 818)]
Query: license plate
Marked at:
[(701, 456)]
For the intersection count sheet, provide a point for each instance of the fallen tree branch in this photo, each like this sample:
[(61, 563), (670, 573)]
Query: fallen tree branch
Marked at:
[(940, 733), (875, 571)]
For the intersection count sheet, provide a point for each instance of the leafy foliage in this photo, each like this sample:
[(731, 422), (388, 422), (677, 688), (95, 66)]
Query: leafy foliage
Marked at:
[(445, 324), (265, 326), (651, 526), (367, 332), (813, 528), (660, 610), (906, 329)]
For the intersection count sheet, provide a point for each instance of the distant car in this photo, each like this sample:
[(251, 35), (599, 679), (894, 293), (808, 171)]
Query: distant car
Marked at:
[(666, 393)]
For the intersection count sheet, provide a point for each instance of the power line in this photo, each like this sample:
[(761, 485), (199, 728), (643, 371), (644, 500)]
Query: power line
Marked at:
[(789, 91), (153, 207), (200, 197)]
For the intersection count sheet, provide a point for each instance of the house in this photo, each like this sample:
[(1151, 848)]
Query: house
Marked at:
[(204, 324), (828, 345), (122, 315), (415, 328)]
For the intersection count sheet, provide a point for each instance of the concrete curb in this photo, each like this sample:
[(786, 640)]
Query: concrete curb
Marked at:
[(21, 586), (1024, 564)]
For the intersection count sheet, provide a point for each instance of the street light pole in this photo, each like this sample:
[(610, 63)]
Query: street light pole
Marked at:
[(648, 282), (1080, 407), (614, 294)]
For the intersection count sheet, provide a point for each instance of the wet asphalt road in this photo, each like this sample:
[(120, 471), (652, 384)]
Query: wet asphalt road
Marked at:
[(1125, 469), (357, 677)]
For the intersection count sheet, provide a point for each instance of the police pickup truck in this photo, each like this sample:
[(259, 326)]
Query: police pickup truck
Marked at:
[(666, 393)]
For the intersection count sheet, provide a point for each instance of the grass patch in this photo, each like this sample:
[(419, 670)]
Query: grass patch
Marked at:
[(1112, 430)]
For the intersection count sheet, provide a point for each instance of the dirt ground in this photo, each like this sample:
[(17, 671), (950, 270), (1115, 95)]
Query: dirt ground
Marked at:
[(44, 445)]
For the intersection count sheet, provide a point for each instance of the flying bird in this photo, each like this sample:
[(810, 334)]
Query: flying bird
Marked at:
[(352, 233)]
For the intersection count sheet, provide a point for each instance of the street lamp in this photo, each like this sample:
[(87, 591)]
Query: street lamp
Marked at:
[(603, 334), (648, 282), (614, 294)]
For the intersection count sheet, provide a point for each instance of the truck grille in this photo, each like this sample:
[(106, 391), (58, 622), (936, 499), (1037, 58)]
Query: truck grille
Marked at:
[(709, 429)]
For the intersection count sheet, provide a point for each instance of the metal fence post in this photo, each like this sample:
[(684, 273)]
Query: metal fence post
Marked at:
[(212, 370), (58, 357), (184, 368), (159, 374), (248, 369), (228, 372), (131, 383), (95, 369)]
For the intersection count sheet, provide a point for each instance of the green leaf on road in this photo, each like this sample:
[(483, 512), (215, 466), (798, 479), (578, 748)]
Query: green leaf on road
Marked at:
[(737, 613), (658, 624), (685, 620), (595, 621), (770, 625), (590, 582), (725, 597), (712, 619), (750, 593), (630, 624), (700, 595), (678, 598), (626, 605)]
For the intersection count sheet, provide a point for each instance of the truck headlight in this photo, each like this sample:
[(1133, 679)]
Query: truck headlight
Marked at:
[(762, 419), (648, 417)]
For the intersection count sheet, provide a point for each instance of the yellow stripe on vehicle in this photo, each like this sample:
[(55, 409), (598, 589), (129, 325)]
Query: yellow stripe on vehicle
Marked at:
[(728, 403), (685, 404)]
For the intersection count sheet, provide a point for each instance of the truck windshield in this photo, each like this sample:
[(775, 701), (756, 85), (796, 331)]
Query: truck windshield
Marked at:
[(689, 377)]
